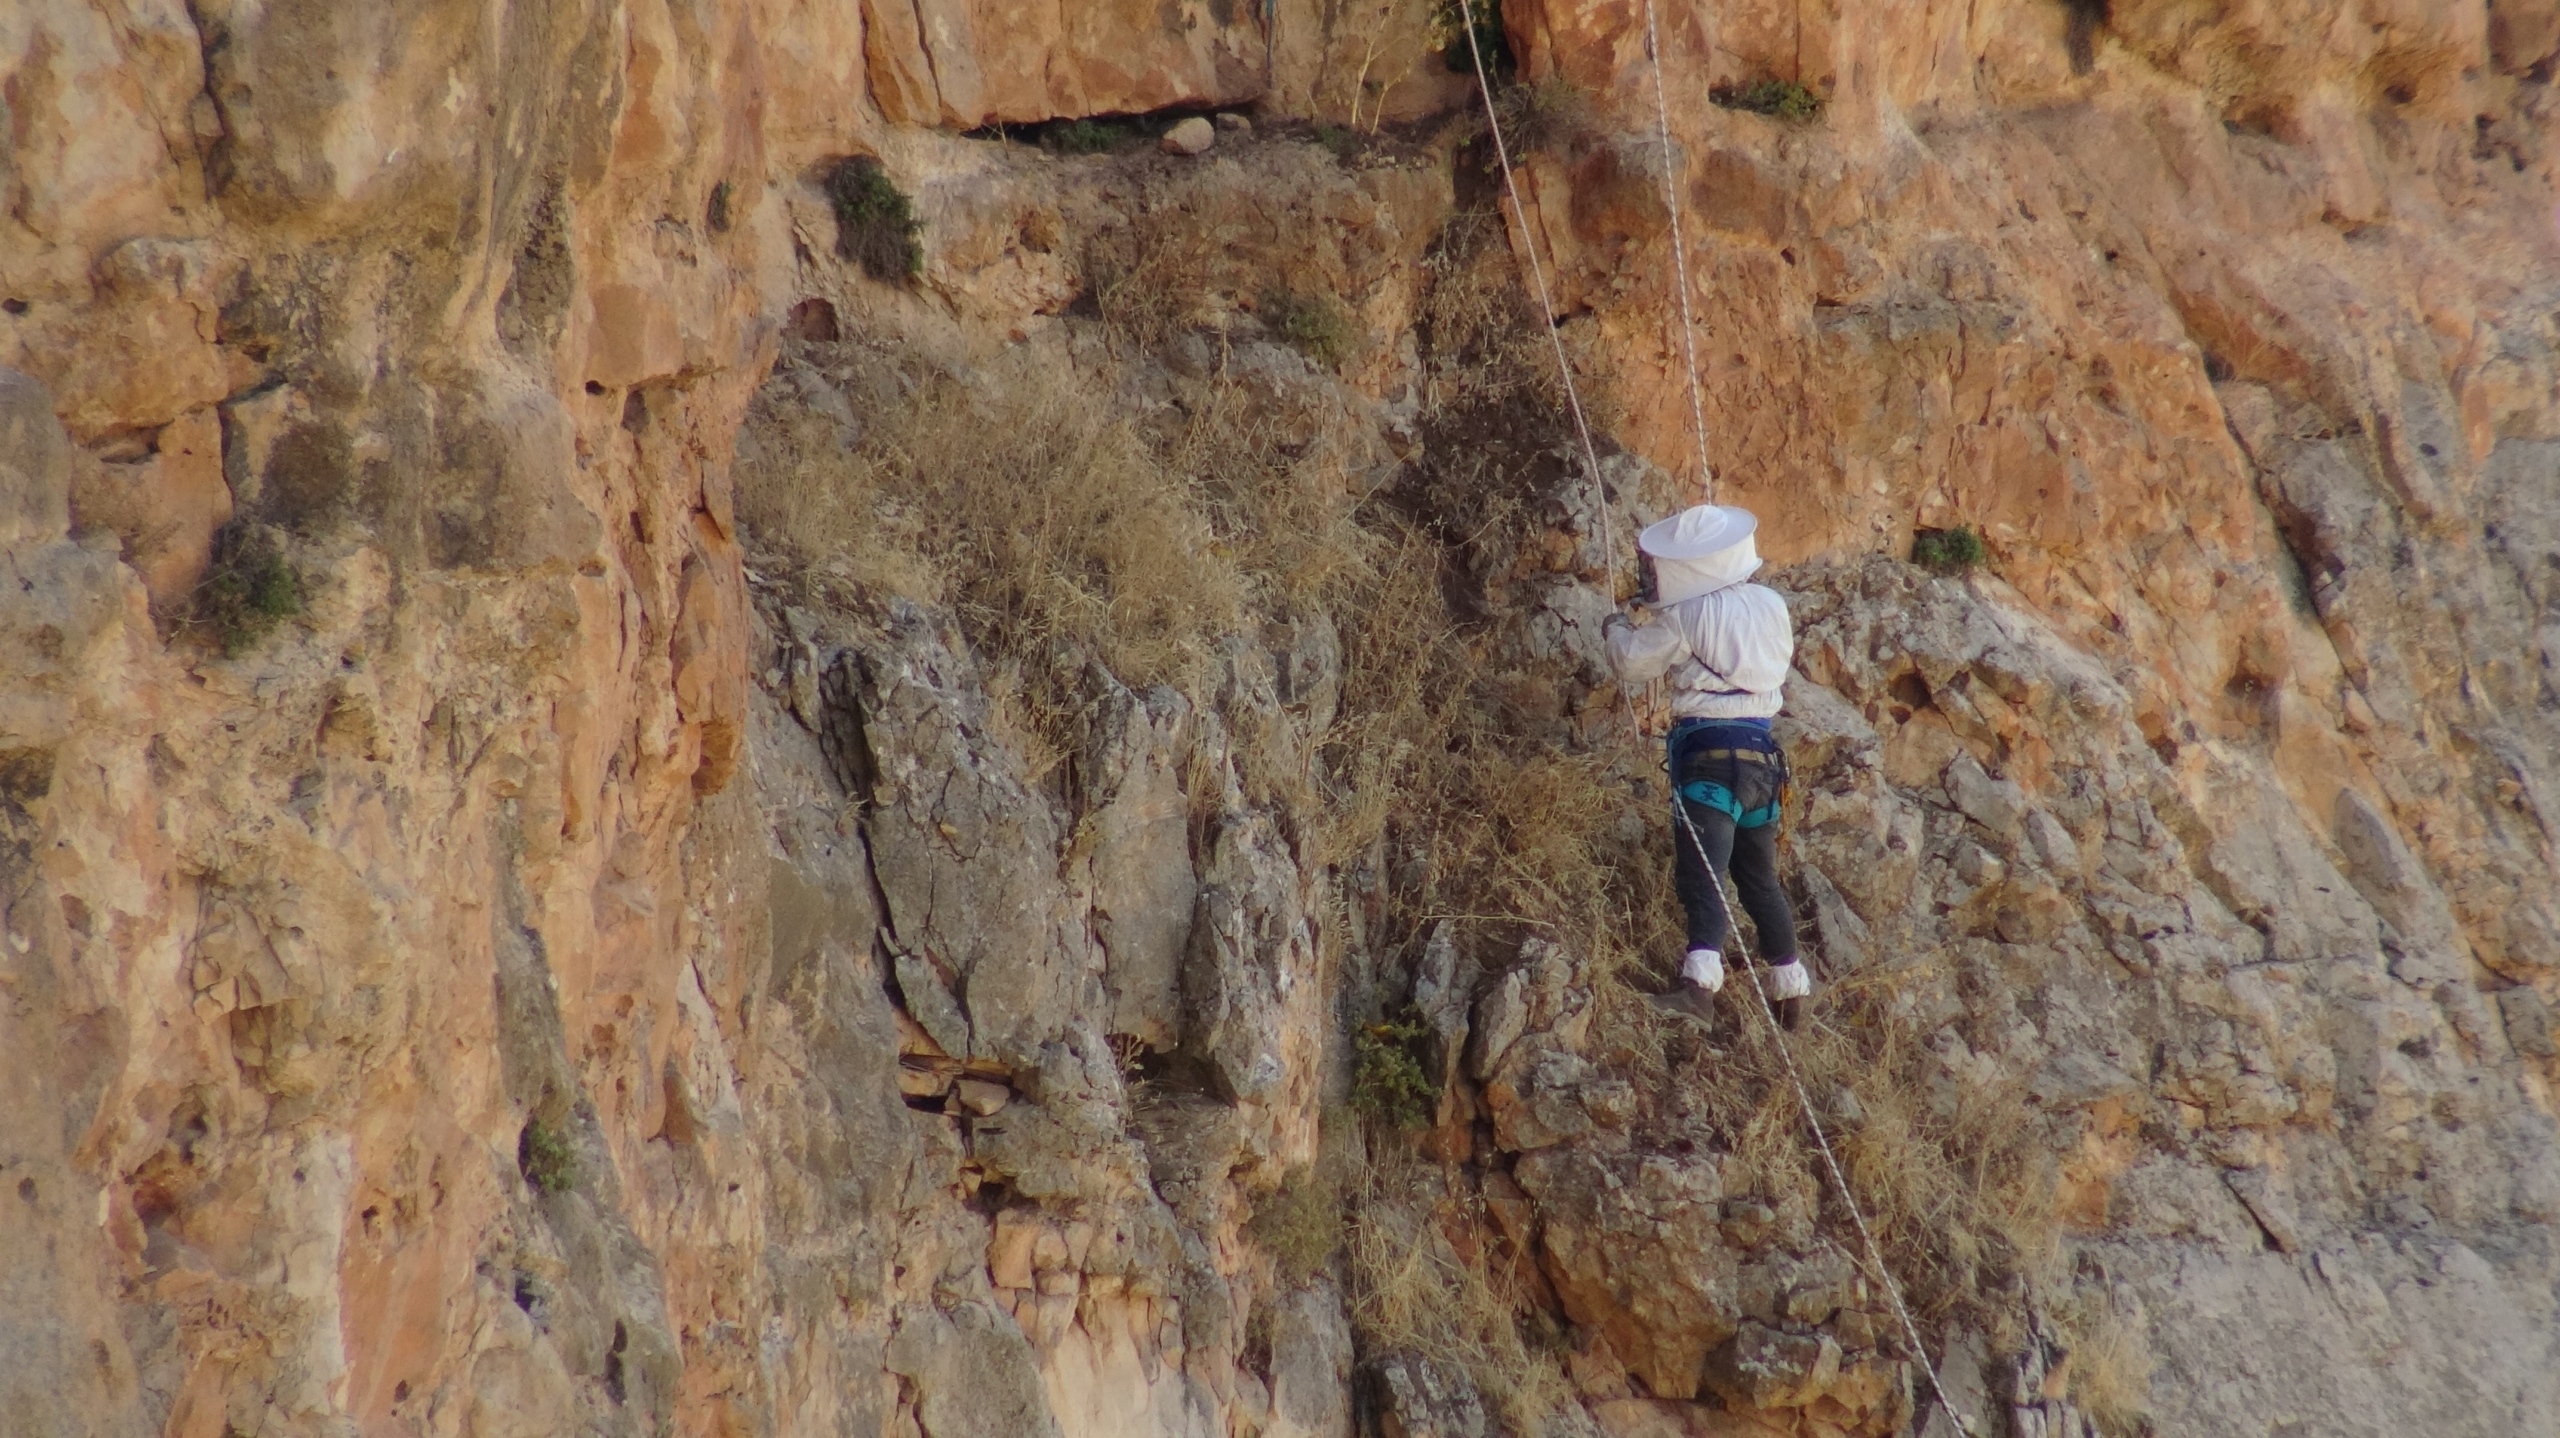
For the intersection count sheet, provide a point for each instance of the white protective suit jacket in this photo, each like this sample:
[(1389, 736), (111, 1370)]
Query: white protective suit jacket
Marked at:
[(1725, 652)]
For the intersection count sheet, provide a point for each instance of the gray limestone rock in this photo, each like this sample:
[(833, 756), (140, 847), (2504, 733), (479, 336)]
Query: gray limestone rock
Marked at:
[(1311, 1360), (965, 853), (1634, 1247), (1137, 831), (35, 464), (2529, 1024), (2382, 1334), (1252, 951), (2266, 866), (1819, 728), (2390, 878), (1502, 1015), (1764, 1367), (1541, 1102), (1425, 1399), (975, 1375), (59, 599), (1996, 804), (1442, 986), (2052, 844)]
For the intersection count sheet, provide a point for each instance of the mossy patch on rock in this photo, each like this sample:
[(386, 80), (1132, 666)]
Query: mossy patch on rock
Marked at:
[(1949, 551), (876, 224), (546, 1159), (1778, 99), (1320, 326), (249, 591)]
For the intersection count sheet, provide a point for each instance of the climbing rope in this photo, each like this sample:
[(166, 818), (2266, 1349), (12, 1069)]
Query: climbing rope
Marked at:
[(1821, 1141), (1679, 258), (1546, 303), (1600, 498)]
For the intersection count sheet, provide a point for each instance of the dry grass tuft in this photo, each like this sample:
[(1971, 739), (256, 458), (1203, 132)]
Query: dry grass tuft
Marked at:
[(1056, 531), (1299, 1224), (1959, 1196), (2110, 1367), (1552, 115), (1412, 1291), (1151, 281), (1484, 328)]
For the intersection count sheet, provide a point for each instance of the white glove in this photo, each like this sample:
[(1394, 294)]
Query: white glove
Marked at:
[(1791, 981), (1705, 968)]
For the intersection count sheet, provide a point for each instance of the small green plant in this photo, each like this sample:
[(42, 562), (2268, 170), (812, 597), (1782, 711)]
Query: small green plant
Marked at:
[(1322, 327), (1299, 1224), (876, 224), (1949, 551), (248, 592), (1449, 35), (1341, 141), (1388, 1081), (545, 1158), (1086, 137), (1783, 99)]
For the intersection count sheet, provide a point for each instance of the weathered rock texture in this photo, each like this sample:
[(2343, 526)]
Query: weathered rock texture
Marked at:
[(560, 981)]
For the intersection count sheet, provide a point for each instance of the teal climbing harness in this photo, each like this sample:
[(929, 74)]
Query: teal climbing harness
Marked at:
[(1769, 784), (1719, 798)]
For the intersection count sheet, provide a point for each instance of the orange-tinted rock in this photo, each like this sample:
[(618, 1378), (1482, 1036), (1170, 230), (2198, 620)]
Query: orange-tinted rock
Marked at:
[(164, 505), (961, 64), (474, 1005)]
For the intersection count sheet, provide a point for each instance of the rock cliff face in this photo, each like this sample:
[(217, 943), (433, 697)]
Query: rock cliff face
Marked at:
[(614, 820)]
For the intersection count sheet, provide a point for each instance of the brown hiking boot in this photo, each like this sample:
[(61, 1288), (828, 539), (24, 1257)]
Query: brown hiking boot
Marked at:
[(1689, 1001), (1790, 983)]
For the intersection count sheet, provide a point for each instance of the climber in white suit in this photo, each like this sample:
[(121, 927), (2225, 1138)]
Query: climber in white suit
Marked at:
[(1724, 645)]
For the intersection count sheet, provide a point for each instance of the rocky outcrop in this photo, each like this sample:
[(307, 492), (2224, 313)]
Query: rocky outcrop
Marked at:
[(494, 944)]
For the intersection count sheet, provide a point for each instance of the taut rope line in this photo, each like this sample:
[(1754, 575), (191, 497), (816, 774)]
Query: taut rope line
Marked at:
[(1679, 260), (1546, 305), (1821, 1141), (1591, 459)]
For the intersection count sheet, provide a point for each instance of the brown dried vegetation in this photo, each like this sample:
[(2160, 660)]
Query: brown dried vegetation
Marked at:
[(1062, 535)]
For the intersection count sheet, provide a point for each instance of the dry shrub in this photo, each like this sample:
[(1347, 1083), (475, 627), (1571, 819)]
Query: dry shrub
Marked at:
[(1061, 534), (1299, 1223), (1282, 506), (1413, 1292), (1960, 1201), (1450, 765), (1552, 115), (1151, 279), (1054, 523), (2110, 1374), (1486, 823), (1483, 324), (1364, 49), (1056, 531)]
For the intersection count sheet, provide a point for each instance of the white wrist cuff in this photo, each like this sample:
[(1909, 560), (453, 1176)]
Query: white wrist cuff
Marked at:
[(1791, 981), (1705, 968)]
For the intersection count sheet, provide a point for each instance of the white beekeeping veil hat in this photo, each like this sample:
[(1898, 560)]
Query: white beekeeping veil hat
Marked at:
[(1701, 550)]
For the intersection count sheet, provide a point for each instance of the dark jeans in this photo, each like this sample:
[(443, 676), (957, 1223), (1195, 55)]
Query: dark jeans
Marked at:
[(1750, 855)]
